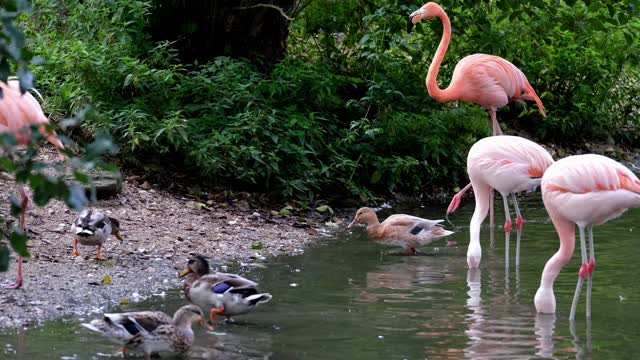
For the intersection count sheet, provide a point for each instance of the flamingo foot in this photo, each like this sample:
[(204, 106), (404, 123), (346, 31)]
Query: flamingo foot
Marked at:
[(507, 226), (75, 253), (584, 269), (452, 243), (214, 311), (591, 266), (455, 202), (519, 221), (14, 285), (122, 350)]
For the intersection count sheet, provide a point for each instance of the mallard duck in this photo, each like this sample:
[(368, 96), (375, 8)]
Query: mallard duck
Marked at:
[(150, 331), (405, 231), (226, 294), (91, 227)]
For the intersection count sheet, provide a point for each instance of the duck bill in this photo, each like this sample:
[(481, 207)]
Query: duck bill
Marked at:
[(117, 234), (184, 272)]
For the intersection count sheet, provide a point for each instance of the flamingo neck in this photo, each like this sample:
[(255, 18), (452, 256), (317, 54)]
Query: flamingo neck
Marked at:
[(474, 251), (432, 76), (566, 232)]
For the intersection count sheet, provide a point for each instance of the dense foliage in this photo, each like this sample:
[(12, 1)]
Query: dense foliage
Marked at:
[(47, 181), (346, 110)]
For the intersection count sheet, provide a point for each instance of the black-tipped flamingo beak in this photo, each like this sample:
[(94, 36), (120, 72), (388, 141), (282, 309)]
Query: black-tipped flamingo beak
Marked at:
[(410, 24)]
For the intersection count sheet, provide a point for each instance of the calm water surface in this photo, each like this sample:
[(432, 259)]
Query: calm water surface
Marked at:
[(351, 299)]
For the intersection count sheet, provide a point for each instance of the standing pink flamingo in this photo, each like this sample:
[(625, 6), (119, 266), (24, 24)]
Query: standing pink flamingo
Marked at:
[(17, 112), (487, 80), (584, 190), (509, 164)]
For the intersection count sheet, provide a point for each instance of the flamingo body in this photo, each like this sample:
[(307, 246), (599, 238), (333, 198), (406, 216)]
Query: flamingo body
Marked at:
[(509, 164), (584, 190)]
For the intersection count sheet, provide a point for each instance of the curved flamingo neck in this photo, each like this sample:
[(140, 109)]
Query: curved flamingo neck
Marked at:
[(566, 232), (432, 76)]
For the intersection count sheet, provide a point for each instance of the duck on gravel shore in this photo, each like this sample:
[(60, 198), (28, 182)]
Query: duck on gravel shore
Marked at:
[(92, 227)]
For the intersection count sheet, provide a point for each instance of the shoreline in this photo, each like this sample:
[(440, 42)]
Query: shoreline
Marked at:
[(161, 230)]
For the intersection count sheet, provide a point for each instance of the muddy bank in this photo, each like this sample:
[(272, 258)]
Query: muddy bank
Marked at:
[(161, 230)]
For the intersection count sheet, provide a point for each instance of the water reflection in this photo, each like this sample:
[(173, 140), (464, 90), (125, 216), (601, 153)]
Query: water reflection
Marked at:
[(544, 328)]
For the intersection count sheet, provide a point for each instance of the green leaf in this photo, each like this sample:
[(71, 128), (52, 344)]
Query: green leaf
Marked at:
[(257, 246), (18, 240), (324, 208), (4, 257)]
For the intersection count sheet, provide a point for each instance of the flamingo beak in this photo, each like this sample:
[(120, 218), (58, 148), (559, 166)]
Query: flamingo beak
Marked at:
[(351, 224), (410, 24)]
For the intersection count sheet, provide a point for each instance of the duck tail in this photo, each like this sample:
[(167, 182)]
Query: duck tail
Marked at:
[(259, 298)]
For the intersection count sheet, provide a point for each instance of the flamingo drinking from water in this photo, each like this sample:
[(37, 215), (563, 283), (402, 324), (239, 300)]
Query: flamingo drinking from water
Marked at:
[(584, 190), (17, 112), (509, 164)]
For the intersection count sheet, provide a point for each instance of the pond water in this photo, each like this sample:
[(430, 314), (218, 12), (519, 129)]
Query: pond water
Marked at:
[(348, 298)]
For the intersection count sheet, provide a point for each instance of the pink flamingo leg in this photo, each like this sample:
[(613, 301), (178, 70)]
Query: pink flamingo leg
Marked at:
[(25, 201), (507, 229), (584, 270), (494, 121), (491, 220), (590, 267), (519, 222)]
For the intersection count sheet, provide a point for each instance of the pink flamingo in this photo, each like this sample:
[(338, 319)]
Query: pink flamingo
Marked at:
[(17, 112), (487, 80), (509, 164), (585, 190)]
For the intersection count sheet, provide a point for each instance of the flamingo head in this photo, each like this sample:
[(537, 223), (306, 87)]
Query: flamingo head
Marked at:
[(364, 215), (427, 11)]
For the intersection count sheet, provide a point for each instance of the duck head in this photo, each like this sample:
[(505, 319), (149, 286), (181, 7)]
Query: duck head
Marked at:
[(364, 215), (197, 265)]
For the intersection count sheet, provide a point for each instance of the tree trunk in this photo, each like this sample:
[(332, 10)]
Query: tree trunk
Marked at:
[(205, 29)]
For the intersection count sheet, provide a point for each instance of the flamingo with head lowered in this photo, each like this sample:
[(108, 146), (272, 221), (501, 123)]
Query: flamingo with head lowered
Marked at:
[(583, 190), (509, 164)]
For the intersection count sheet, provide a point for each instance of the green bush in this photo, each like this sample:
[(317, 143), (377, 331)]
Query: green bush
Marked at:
[(347, 109)]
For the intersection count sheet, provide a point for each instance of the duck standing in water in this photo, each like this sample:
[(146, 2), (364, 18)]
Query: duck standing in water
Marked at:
[(150, 331), (405, 231), (91, 227), (226, 294)]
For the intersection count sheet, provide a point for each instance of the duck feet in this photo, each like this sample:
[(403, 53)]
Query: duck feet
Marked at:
[(75, 248), (98, 255), (214, 311)]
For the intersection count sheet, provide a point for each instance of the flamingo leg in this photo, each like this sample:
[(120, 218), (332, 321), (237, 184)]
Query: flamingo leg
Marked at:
[(581, 274), (519, 222), (507, 230), (494, 122), (507, 215), (491, 211), (590, 267), (24, 203)]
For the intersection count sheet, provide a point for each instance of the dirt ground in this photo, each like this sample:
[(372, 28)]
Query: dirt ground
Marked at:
[(160, 231)]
